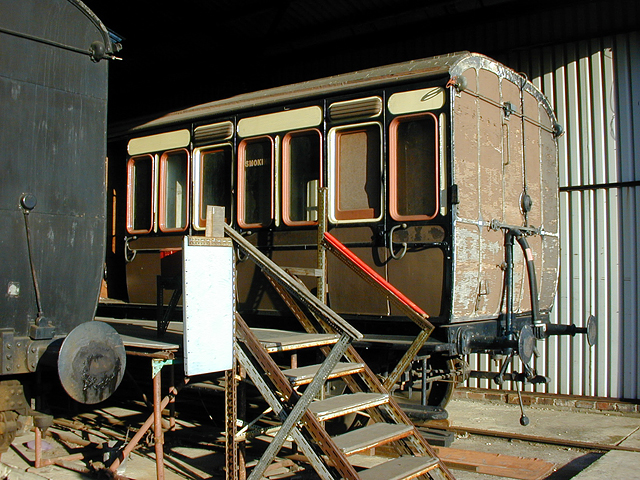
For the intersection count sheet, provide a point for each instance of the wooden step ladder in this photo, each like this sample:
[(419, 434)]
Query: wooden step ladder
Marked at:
[(297, 395)]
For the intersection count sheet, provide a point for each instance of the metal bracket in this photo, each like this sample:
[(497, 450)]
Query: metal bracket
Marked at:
[(8, 351), (35, 350), (508, 109), (157, 364)]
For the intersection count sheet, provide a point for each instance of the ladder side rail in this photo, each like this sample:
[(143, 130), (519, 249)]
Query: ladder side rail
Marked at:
[(230, 419), (392, 409), (406, 359), (292, 285), (274, 403), (299, 411), (294, 307), (271, 370), (300, 408), (260, 383), (350, 354)]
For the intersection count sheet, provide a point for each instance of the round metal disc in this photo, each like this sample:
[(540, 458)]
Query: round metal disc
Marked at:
[(526, 343), (91, 362)]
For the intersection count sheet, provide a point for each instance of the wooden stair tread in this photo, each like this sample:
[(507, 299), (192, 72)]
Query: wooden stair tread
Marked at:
[(344, 404), (400, 468), (304, 375), (371, 436), (282, 341)]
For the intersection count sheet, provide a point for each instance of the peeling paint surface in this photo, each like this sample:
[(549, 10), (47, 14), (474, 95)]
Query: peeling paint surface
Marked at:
[(502, 154)]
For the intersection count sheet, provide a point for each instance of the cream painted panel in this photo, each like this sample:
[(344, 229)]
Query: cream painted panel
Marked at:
[(280, 121), (416, 100), (159, 142)]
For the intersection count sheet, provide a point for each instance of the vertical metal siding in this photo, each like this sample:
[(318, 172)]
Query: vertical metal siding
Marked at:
[(628, 70), (594, 87)]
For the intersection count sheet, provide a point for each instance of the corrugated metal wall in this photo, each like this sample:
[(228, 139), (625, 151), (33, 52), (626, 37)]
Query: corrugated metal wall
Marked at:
[(595, 89)]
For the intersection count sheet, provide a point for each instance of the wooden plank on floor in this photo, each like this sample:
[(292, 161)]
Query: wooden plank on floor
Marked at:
[(509, 466)]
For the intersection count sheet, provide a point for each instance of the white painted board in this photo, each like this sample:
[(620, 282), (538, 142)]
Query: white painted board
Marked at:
[(208, 308)]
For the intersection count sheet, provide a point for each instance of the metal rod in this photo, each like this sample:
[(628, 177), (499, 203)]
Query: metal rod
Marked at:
[(36, 287), (598, 186), (423, 397), (46, 41), (157, 428), (138, 436), (38, 442), (172, 398), (321, 282), (531, 274), (508, 280), (534, 438)]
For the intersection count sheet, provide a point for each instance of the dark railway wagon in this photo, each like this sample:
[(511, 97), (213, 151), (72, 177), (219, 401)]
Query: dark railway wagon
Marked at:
[(53, 92), (440, 174)]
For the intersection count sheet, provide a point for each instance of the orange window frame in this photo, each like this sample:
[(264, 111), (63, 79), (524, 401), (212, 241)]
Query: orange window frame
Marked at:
[(163, 197), (131, 194), (287, 176), (242, 183), (394, 190), (364, 214)]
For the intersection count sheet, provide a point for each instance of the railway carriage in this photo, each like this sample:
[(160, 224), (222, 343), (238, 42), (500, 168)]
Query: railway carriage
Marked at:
[(53, 92), (439, 174)]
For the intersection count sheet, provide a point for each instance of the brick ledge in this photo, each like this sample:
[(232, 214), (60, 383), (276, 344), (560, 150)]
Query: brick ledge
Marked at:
[(547, 400)]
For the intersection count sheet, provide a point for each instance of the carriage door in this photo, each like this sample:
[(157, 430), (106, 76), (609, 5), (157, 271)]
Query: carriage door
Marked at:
[(415, 232), (355, 173)]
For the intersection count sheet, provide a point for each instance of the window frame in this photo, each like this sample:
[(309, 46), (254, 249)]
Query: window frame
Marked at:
[(131, 192), (393, 168), (198, 222), (241, 171), (162, 198), (286, 176), (336, 215)]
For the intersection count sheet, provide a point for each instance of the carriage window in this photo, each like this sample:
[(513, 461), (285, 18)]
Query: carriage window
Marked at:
[(214, 181), (174, 190), (358, 171), (414, 167), (255, 182), (140, 194), (301, 177)]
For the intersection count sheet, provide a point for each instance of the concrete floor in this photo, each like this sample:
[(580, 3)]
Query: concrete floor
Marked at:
[(576, 463), (191, 462)]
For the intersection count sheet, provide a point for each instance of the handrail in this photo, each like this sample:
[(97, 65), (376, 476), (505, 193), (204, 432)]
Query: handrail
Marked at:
[(409, 308), (292, 285)]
